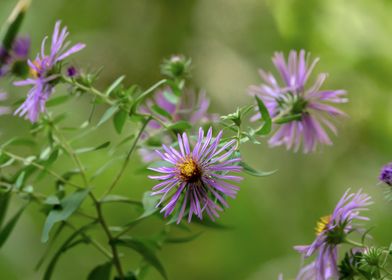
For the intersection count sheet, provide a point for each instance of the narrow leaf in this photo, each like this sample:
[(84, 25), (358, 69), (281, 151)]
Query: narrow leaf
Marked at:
[(182, 239), (68, 206), (147, 253), (149, 204), (6, 231), (180, 126), (64, 247), (160, 111), (5, 197), (251, 171), (119, 120), (101, 272), (58, 100), (107, 115), (265, 116), (114, 85), (91, 149)]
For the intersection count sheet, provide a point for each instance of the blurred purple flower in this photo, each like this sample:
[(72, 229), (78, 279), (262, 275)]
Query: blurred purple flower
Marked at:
[(305, 109), (310, 272), (72, 72), (192, 107), (386, 174), (196, 180), (19, 52), (331, 231), (44, 73)]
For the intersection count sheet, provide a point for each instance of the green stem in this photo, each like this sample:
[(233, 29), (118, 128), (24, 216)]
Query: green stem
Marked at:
[(101, 219), (116, 257), (94, 242), (43, 168), (354, 243), (128, 157)]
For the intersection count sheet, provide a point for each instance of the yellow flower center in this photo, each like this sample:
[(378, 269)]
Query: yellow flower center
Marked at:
[(34, 72), (322, 224), (189, 170)]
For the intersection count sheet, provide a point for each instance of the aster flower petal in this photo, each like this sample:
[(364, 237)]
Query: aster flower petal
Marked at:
[(342, 221), (197, 180), (44, 80), (311, 105)]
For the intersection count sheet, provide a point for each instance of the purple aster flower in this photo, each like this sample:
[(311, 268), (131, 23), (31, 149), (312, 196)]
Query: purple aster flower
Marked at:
[(196, 180), (307, 110), (310, 272), (18, 52), (331, 231), (45, 71), (192, 107), (386, 174)]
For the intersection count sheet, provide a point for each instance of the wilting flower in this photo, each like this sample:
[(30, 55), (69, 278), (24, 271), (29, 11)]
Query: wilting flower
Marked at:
[(304, 111), (18, 53), (331, 231), (196, 180), (386, 174), (45, 71), (192, 107)]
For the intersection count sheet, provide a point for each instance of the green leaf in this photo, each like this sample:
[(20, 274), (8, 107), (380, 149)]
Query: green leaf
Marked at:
[(251, 171), (50, 245), (106, 166), (107, 115), (5, 197), (149, 205), (7, 229), (58, 100), (180, 126), (114, 85), (171, 97), (211, 224), (119, 120), (119, 198), (160, 111), (13, 23), (64, 247), (182, 239), (19, 141), (68, 206), (144, 250), (288, 119), (91, 149), (265, 116), (101, 272), (20, 180)]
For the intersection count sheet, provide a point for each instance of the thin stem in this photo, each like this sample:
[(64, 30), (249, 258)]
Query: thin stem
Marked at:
[(101, 219), (69, 149), (354, 243), (94, 242), (128, 157), (43, 168), (116, 257)]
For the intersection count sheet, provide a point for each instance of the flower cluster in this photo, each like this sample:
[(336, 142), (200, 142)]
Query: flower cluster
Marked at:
[(45, 72), (304, 110)]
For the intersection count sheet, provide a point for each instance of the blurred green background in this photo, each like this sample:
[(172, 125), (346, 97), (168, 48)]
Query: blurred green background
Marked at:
[(228, 41)]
